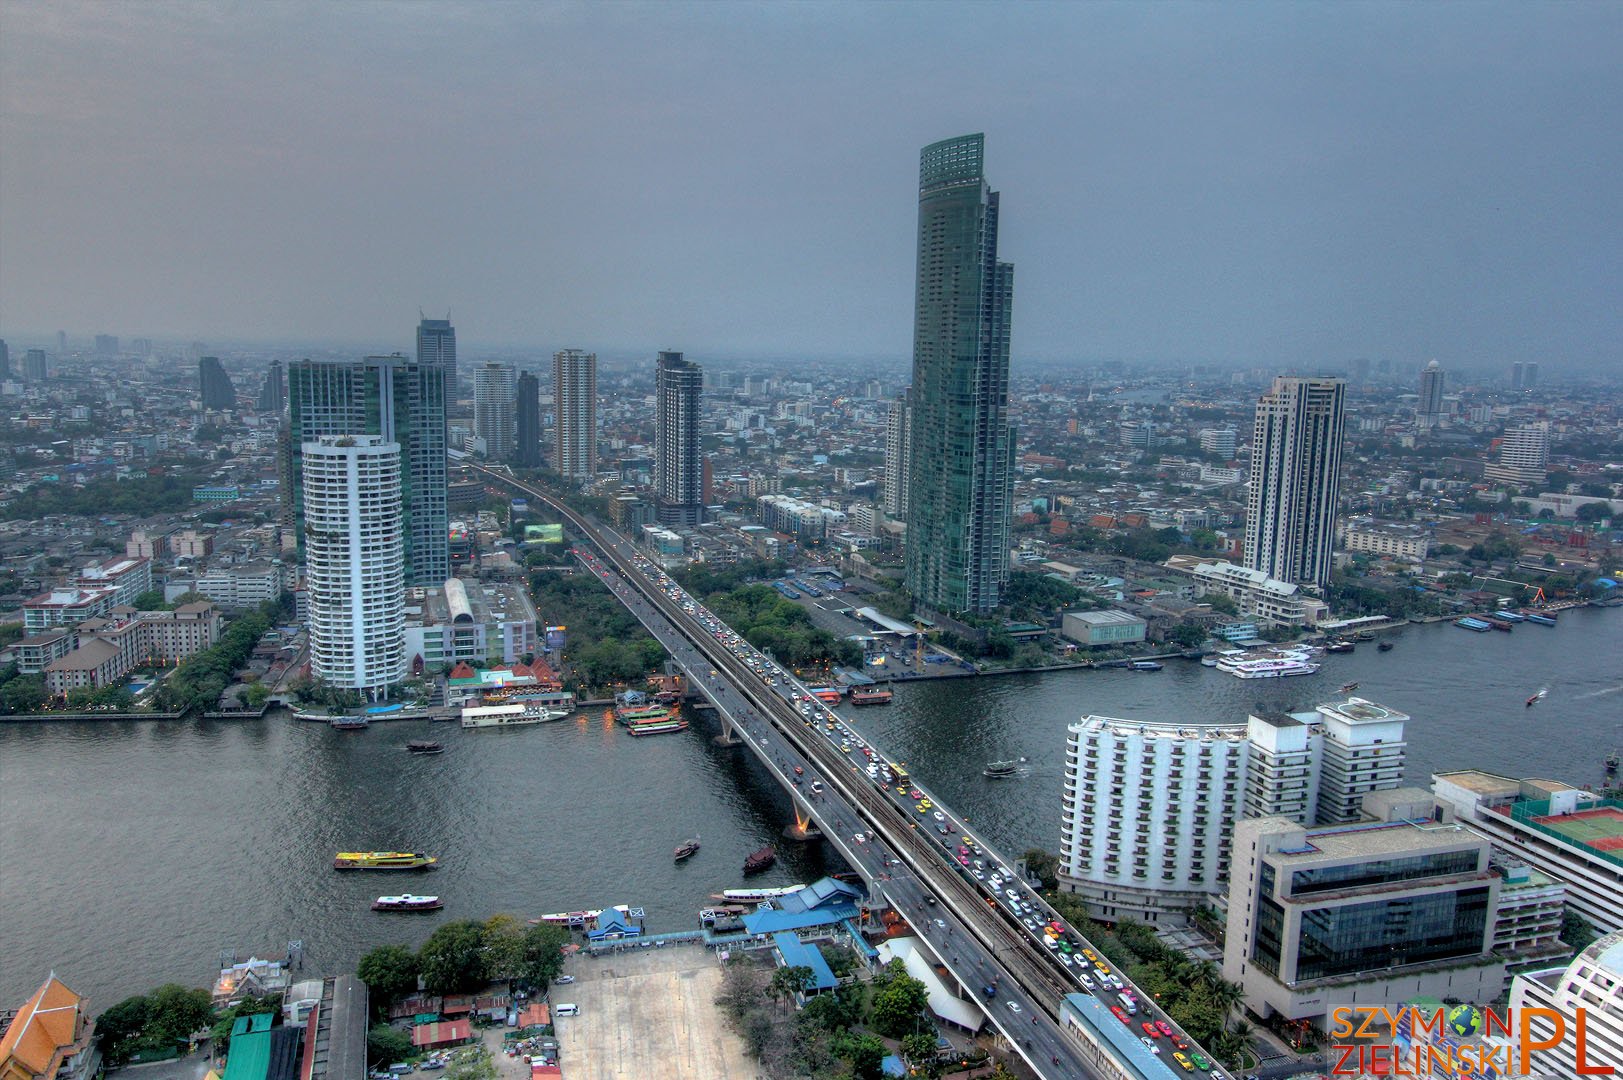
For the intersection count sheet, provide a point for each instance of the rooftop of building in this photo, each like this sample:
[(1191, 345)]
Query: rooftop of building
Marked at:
[(1360, 711), (45, 1025), (1370, 839), (475, 602), (1492, 786), (1155, 729), (1105, 618)]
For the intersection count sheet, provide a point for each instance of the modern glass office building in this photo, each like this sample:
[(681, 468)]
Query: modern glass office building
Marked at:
[(961, 465), (399, 399), (436, 344)]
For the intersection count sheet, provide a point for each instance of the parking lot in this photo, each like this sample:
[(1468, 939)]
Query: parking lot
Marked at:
[(650, 1012)]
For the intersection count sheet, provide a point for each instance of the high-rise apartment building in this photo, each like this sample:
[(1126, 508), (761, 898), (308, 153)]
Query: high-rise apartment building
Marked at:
[(1524, 455), (392, 397), (355, 571), (436, 344), (1150, 807), (1429, 410), (678, 471), (1399, 905), (35, 366), (5, 361), (494, 398), (574, 394), (527, 422), (961, 469), (1524, 375), (898, 447), (1290, 520), (215, 385), (273, 394)]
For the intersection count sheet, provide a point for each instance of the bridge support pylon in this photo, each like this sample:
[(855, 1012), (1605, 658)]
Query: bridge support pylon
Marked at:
[(729, 734)]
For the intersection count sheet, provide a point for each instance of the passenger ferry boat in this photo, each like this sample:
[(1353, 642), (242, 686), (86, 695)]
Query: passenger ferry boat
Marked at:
[(687, 848), (518, 714), (659, 727), (1002, 770), (1468, 623), (748, 896), (1276, 668), (383, 860), (407, 902)]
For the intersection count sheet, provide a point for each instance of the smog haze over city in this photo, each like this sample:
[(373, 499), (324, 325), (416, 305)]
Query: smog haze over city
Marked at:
[(1273, 184)]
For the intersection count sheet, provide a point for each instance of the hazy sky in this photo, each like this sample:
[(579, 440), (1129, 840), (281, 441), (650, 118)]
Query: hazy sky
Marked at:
[(1281, 183)]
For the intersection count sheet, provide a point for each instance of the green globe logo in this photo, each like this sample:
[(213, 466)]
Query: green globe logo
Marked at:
[(1465, 1021)]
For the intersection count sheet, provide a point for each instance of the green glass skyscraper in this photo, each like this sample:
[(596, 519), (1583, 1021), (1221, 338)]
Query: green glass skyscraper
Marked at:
[(961, 467), (404, 402)]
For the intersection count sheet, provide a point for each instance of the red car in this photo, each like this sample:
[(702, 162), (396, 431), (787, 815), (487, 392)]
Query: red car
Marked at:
[(1164, 1028), (1121, 1014), (1179, 1042), (1150, 1029), (799, 771)]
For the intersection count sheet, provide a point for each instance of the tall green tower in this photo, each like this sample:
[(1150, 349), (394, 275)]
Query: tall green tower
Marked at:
[(961, 467)]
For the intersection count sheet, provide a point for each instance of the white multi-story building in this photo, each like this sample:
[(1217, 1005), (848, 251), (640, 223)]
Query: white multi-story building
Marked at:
[(1388, 540), (1524, 455), (354, 561), (798, 517), (1290, 519), (66, 607), (1257, 595), (1593, 983), (127, 576), (574, 391), (245, 586), (1531, 819), (1220, 441), (1149, 807), (898, 448)]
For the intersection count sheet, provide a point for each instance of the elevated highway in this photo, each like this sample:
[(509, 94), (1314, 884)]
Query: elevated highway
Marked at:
[(979, 939)]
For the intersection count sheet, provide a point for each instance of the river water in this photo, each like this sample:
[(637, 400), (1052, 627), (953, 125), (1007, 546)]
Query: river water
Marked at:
[(134, 853)]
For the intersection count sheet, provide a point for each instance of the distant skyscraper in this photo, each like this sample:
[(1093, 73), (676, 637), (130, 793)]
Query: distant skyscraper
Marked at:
[(392, 397), (960, 473), (1295, 478), (61, 343), (5, 361), (35, 367), (355, 560), (1430, 409), (436, 344), (217, 391), (527, 422), (273, 394), (574, 392), (1518, 375), (678, 474), (898, 445), (1529, 374), (494, 398)]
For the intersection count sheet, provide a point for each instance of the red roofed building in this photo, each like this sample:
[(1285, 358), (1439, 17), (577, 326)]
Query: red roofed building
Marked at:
[(50, 1037), (442, 1033)]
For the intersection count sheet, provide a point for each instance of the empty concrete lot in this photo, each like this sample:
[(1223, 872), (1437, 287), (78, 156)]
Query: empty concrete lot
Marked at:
[(648, 1013)]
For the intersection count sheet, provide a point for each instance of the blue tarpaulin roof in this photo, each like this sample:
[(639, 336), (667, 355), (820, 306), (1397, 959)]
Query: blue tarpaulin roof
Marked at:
[(797, 953), (773, 920)]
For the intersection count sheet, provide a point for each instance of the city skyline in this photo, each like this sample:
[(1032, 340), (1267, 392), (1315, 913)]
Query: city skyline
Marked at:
[(1273, 199)]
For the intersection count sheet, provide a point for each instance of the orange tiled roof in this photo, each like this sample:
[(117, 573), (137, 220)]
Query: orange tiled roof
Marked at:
[(46, 1026)]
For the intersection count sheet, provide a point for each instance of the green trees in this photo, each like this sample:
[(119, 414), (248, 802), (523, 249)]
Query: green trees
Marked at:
[(386, 1045), (157, 1020), (898, 1002), (1043, 865), (24, 694), (786, 982), (389, 972), (541, 956), (452, 960), (136, 495)]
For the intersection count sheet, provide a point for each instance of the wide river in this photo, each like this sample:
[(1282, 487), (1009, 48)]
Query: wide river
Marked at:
[(135, 853)]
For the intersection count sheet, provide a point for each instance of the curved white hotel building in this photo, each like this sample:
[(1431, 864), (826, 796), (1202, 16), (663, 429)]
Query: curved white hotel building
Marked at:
[(354, 561), (1150, 807)]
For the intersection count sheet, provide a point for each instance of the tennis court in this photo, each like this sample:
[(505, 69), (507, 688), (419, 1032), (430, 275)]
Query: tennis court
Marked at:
[(1600, 828)]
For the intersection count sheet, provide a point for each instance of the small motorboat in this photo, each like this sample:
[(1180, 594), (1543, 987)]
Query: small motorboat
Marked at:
[(425, 746), (407, 902), (1349, 687), (1385, 646), (686, 848), (1538, 697), (760, 860)]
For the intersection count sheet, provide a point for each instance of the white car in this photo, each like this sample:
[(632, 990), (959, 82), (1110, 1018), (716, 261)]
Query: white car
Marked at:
[(1014, 1006), (941, 923), (1087, 983), (858, 838), (564, 980), (1012, 894)]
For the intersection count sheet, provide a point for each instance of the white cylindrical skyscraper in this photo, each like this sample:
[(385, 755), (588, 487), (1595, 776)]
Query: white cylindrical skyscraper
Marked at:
[(354, 561)]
